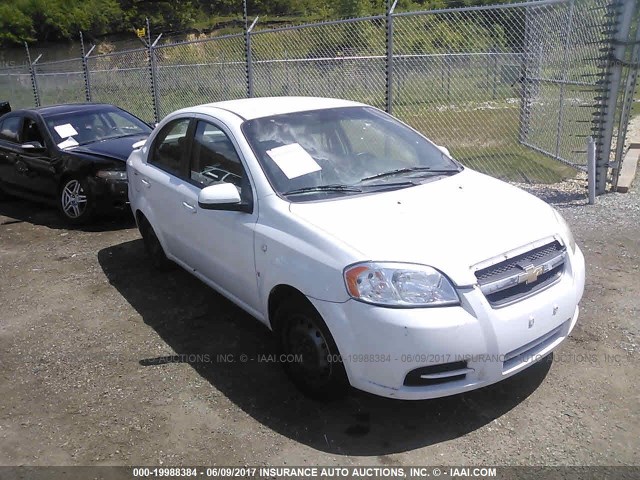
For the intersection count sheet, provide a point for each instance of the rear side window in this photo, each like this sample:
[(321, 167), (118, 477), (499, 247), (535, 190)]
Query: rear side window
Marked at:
[(10, 128), (168, 149)]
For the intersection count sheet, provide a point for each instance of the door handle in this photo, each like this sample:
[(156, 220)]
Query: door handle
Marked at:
[(189, 207), (146, 182)]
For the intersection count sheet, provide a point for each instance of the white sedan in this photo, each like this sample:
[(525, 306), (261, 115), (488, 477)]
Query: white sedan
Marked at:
[(377, 259)]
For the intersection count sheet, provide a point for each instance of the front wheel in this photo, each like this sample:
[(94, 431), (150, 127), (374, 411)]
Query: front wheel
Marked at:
[(309, 353), (75, 201)]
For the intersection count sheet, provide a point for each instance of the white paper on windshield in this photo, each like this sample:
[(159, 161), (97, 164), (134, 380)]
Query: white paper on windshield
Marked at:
[(293, 160), (69, 142), (65, 130)]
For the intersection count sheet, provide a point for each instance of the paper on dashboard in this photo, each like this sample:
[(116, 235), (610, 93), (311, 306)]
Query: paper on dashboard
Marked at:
[(66, 130), (293, 160)]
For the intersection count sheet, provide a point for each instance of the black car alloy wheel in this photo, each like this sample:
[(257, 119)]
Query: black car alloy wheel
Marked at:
[(75, 200)]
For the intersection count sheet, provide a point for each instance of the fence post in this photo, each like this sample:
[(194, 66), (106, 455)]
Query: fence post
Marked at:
[(153, 72), (565, 68), (591, 170), (248, 58), (389, 65), (85, 68), (613, 76), (32, 72), (525, 83), (630, 88)]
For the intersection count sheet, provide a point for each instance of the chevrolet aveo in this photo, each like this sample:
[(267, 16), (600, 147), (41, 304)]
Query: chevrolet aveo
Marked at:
[(377, 259)]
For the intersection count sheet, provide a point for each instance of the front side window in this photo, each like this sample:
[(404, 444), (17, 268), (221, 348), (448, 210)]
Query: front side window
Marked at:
[(214, 158), (169, 146), (31, 132), (10, 128), (342, 151)]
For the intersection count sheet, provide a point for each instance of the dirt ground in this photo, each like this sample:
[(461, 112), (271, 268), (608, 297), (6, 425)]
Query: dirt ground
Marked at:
[(104, 361)]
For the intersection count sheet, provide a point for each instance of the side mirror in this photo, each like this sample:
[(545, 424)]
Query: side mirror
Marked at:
[(221, 196), (444, 150), (33, 146)]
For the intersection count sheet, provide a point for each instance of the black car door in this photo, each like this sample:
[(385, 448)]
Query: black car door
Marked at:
[(37, 160), (10, 130)]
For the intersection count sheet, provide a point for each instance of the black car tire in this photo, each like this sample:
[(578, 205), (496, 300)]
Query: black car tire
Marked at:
[(75, 200), (153, 247), (302, 334)]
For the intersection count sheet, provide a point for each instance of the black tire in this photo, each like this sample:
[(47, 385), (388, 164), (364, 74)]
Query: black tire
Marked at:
[(153, 247), (75, 201), (301, 333)]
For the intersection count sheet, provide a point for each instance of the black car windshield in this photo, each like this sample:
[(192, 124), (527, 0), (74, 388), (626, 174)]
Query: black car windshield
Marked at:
[(85, 126), (342, 151)]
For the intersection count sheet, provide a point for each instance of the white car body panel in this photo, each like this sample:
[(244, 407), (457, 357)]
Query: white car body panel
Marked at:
[(456, 224)]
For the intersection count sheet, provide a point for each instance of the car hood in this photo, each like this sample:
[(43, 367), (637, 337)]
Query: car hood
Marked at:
[(451, 224), (116, 148)]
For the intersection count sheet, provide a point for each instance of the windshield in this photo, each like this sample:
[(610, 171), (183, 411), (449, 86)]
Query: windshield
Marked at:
[(88, 126), (342, 151)]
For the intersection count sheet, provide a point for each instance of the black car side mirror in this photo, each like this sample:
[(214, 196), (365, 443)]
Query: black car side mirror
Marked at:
[(33, 146)]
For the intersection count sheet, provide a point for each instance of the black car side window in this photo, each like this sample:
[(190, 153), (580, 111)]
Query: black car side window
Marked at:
[(31, 132), (10, 129), (214, 158), (168, 148)]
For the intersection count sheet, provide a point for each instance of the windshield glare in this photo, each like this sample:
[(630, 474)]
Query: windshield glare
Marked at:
[(84, 127), (351, 146)]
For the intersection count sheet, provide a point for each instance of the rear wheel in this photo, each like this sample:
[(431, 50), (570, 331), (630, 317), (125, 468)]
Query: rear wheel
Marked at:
[(153, 247), (309, 354), (75, 201)]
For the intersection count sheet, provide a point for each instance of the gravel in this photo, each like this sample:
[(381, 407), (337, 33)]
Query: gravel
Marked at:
[(99, 365)]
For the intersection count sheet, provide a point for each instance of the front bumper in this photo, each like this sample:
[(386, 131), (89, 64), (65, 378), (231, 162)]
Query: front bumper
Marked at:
[(110, 195), (380, 346)]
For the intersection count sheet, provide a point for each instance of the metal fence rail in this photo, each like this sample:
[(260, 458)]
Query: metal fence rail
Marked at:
[(513, 90)]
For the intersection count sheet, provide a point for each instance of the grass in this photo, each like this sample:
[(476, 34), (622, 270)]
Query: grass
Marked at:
[(467, 112)]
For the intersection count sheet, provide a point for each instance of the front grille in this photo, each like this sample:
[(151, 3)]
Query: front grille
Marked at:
[(508, 281)]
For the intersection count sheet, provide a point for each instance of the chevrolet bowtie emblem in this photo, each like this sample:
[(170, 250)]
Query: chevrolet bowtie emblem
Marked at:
[(531, 273)]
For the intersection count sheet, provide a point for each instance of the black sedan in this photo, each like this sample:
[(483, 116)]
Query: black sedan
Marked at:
[(72, 156)]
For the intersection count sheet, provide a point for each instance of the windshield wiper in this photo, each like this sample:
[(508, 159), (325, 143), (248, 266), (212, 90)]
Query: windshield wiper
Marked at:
[(400, 171), (324, 188)]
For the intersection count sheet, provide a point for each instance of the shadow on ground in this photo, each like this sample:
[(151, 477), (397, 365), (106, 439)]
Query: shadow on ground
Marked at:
[(17, 211), (195, 321)]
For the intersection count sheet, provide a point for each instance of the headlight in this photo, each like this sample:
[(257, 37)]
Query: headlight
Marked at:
[(112, 174), (565, 231), (399, 285)]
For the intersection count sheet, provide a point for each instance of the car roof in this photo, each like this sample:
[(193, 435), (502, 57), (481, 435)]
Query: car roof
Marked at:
[(65, 108), (250, 108)]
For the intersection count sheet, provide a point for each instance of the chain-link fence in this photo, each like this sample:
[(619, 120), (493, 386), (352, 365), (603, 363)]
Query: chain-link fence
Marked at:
[(122, 78), (60, 82), (343, 59), (15, 85), (513, 90), (200, 71)]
